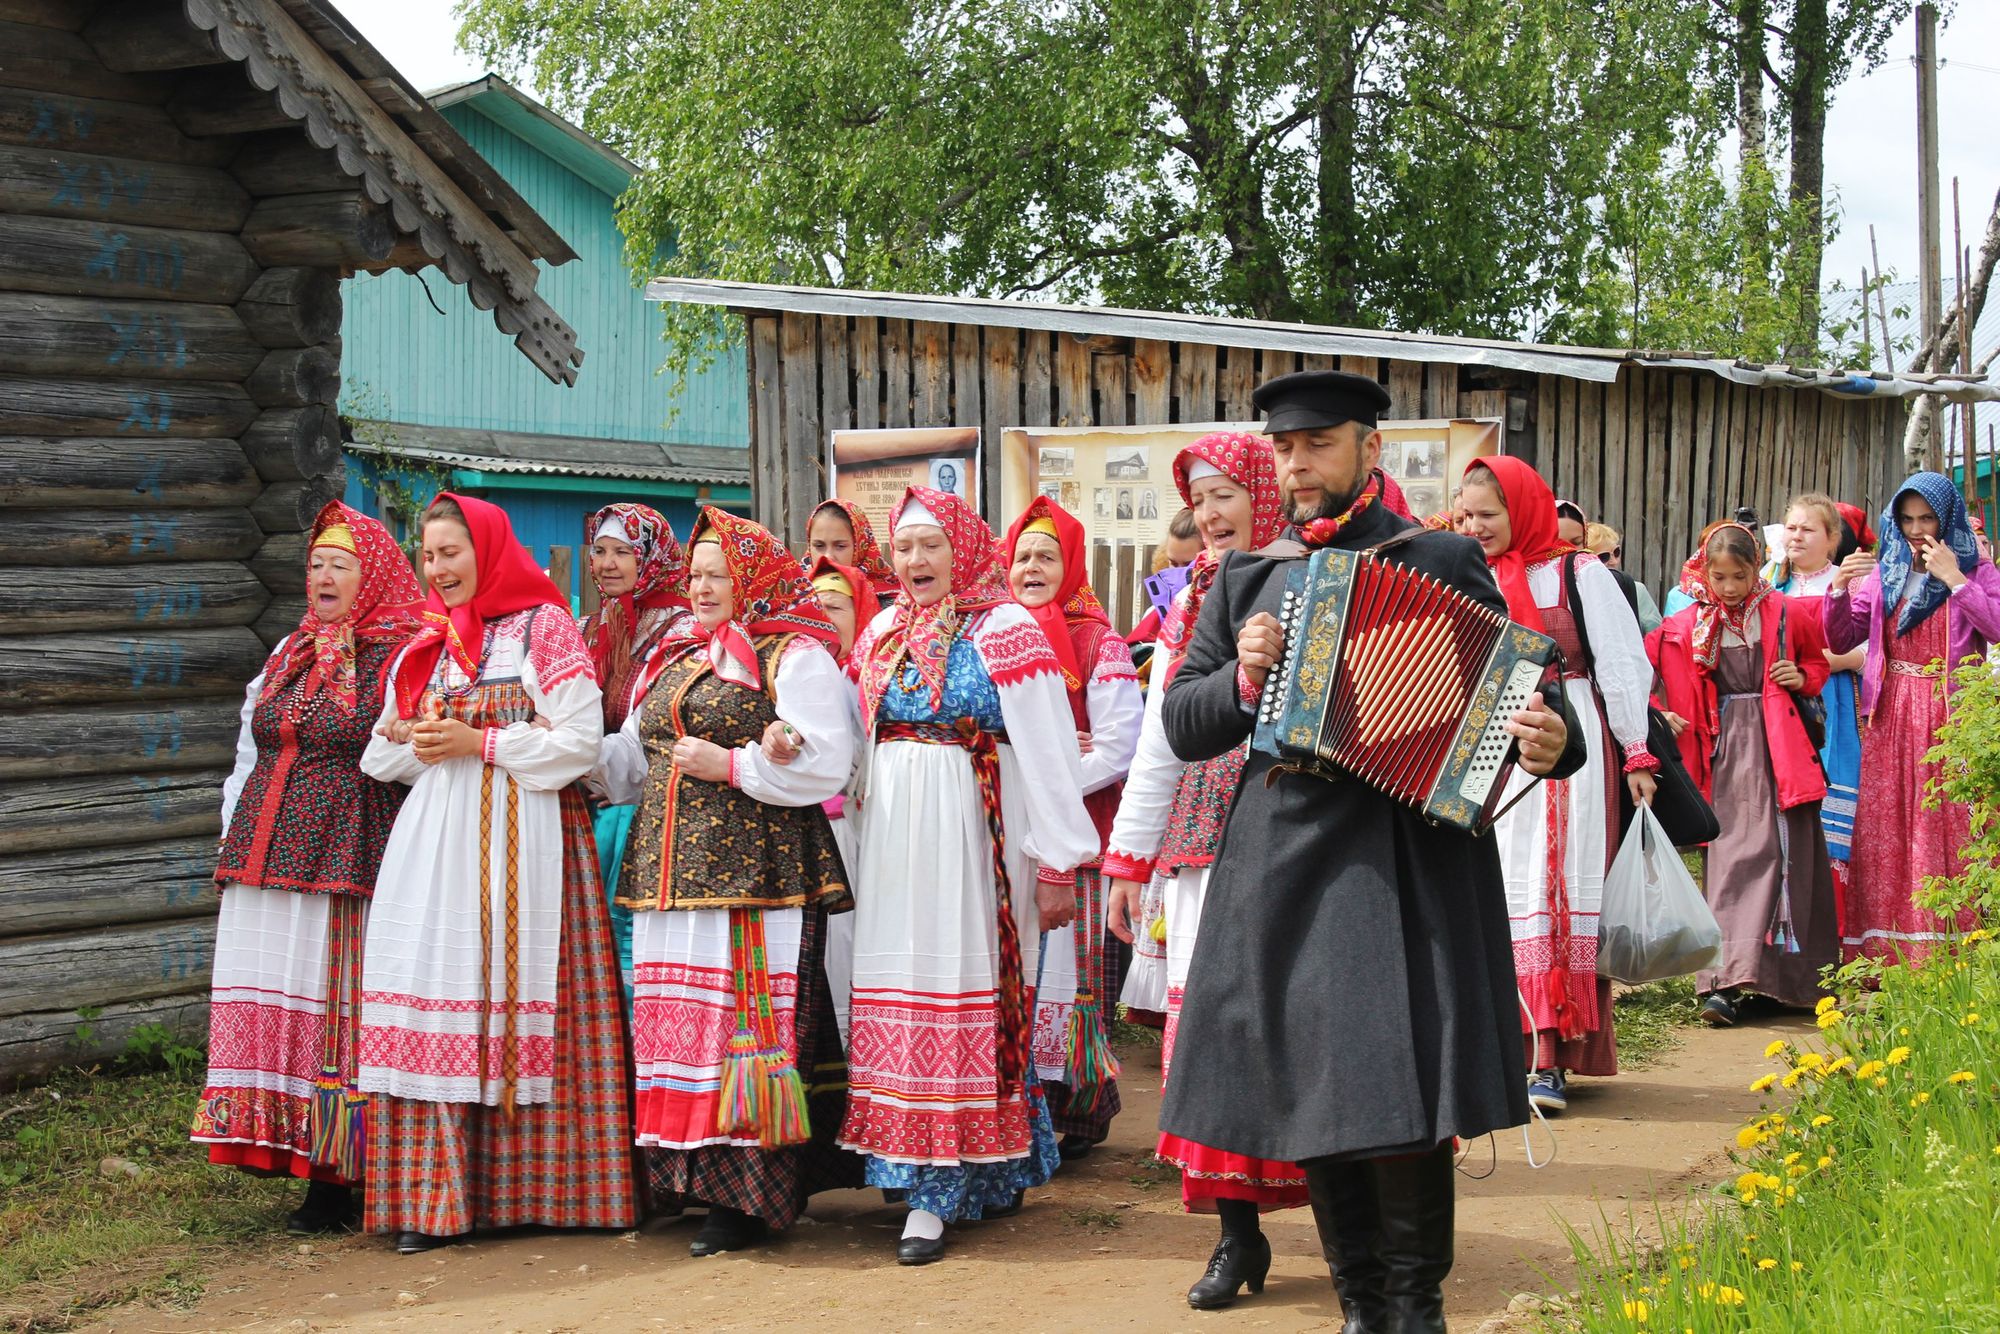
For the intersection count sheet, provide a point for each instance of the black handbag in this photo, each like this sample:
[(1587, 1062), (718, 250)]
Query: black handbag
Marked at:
[(1683, 812)]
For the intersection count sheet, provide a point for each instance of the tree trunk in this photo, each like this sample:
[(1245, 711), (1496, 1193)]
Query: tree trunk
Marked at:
[(1811, 68), (1339, 126)]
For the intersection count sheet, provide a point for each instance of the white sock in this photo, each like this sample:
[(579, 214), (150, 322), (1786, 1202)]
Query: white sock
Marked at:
[(923, 1223)]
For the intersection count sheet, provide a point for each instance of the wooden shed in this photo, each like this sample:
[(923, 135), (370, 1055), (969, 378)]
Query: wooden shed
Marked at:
[(1656, 444), (183, 185)]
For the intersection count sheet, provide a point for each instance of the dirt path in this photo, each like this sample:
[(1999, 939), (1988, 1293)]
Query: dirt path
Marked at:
[(1104, 1246)]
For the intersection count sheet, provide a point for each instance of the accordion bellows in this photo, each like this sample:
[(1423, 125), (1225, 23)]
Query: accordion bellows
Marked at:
[(1396, 679)]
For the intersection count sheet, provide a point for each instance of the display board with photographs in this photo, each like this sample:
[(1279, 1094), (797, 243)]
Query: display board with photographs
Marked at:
[(1427, 457), (872, 468)]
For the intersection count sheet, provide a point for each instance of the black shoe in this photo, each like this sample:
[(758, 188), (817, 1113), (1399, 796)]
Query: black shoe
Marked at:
[(1075, 1147), (1009, 1209), (919, 1250), (1237, 1262), (1414, 1197), (1719, 1010), (326, 1208), (726, 1230), (1349, 1221), (416, 1243)]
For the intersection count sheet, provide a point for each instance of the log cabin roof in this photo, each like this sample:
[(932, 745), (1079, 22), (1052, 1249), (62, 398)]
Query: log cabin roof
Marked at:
[(467, 220), (1598, 364), (501, 102)]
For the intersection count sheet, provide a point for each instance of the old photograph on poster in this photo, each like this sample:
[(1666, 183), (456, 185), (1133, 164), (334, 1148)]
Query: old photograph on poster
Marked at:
[(872, 468)]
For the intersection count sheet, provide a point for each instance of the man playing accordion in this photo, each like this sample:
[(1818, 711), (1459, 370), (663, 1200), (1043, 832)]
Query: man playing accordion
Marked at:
[(1351, 1002)]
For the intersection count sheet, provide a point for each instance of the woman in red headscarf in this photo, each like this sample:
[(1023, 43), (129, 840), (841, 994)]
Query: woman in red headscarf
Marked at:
[(1080, 967), (491, 1033), (963, 699), (730, 872), (1169, 826), (302, 836), (840, 532), (1557, 841)]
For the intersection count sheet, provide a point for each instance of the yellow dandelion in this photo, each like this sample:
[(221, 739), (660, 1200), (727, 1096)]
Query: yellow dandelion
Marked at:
[(1828, 1018), (1791, 1192), (1776, 1118), (1769, 1182), (1971, 1019), (1868, 1070), (1809, 1060), (1791, 1081), (1636, 1312), (1748, 1197), (1776, 1047), (1797, 1170), (1881, 1081), (1825, 1161), (1920, 1099), (1749, 1180), (1976, 935), (1749, 1137), (1822, 1121), (1793, 1157), (1838, 1064), (1767, 1263), (1687, 1261), (1900, 1054), (1825, 1003), (1728, 1296), (1798, 1266), (1960, 1077), (1762, 1084)]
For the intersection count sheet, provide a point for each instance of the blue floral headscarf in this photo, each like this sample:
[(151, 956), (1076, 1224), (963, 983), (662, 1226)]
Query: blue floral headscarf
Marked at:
[(1895, 560)]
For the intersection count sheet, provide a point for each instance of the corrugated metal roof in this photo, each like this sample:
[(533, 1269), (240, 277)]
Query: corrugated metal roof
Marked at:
[(558, 456), (1581, 363)]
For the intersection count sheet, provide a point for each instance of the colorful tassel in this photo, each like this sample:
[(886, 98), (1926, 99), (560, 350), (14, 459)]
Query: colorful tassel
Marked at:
[(1091, 1065), (761, 1096), (339, 1125)]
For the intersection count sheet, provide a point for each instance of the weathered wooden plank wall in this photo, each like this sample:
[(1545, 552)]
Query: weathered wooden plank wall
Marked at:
[(166, 433), (1658, 453)]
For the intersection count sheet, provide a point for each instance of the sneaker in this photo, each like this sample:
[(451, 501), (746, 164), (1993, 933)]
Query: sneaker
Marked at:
[(1548, 1090), (1718, 1010)]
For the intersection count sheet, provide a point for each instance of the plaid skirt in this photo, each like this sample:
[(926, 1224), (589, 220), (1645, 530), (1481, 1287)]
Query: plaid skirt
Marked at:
[(446, 1168)]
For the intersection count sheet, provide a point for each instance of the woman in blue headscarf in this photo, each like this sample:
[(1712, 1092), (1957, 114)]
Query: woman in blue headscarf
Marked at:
[(1924, 604)]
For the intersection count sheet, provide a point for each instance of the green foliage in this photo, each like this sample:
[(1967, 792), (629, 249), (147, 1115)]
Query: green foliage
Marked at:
[(406, 485), (1968, 756), (1651, 1019), (158, 1047)]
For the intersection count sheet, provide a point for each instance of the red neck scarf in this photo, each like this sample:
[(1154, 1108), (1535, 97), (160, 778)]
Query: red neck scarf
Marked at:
[(509, 581), (385, 611), (1074, 604), (1246, 460), (771, 593), (1531, 514), (867, 557), (1712, 615), (866, 604), (662, 582), (1317, 533), (924, 635)]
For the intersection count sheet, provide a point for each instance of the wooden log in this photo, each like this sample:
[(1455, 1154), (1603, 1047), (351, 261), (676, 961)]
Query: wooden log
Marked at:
[(1236, 381), (281, 562), (1107, 378), (285, 162), (68, 15), (41, 815), (865, 344), (288, 507), (1152, 381), (930, 357), (897, 391), (282, 616), (135, 408), (292, 377), (767, 423), (115, 739), (292, 307), (1037, 378), (39, 472), (170, 340), (75, 969), (799, 476), (50, 184), (68, 257), (225, 103), (93, 125), (142, 36), (292, 444), (56, 599), (66, 669), (33, 1045), (337, 229), (71, 538), (1406, 391), (1000, 398), (74, 890), (1195, 382), (47, 60), (1072, 383)]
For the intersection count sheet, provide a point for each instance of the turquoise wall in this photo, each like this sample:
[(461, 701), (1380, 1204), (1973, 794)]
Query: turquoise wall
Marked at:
[(402, 361)]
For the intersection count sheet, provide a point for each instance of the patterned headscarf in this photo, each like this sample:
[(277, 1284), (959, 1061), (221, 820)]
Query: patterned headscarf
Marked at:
[(867, 556), (1246, 460), (384, 611), (1531, 515), (772, 596), (662, 582), (924, 635), (509, 581), (1713, 617), (1074, 603), (1896, 561), (866, 603)]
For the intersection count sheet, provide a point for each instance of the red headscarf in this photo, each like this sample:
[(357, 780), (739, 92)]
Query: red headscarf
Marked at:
[(384, 611), (1531, 514), (772, 597), (1857, 519), (1246, 460), (1392, 496), (509, 581), (924, 635), (1712, 615), (866, 604), (662, 582), (1074, 603), (868, 557)]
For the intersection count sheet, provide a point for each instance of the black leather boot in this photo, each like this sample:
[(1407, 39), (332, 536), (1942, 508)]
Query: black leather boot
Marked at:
[(1238, 1261), (726, 1229), (1416, 1204), (326, 1208), (1348, 1216)]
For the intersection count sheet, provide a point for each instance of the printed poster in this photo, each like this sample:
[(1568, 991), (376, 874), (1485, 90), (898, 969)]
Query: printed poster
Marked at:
[(872, 468)]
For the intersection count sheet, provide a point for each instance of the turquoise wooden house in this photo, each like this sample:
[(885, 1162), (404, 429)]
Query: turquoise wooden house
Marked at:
[(432, 398)]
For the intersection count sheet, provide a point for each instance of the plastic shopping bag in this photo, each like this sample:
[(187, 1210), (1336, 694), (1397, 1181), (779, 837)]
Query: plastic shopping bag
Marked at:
[(1654, 922)]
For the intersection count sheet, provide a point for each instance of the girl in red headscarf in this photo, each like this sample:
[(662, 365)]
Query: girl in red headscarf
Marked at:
[(1557, 841), (974, 777), (1080, 967), (840, 532), (302, 836), (491, 1033), (1169, 827), (731, 871)]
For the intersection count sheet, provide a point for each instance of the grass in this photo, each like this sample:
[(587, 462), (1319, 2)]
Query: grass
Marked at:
[(74, 1239), (1651, 1021)]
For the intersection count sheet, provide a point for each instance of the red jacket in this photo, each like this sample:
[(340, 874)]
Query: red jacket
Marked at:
[(1690, 692)]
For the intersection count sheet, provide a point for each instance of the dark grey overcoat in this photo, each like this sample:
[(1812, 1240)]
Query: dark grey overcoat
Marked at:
[(1352, 987)]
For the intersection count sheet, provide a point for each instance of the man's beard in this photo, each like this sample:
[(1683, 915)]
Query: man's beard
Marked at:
[(1330, 506)]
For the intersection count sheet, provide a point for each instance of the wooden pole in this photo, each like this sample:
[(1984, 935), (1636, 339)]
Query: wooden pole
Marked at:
[(1867, 321), (1930, 277), (1881, 302)]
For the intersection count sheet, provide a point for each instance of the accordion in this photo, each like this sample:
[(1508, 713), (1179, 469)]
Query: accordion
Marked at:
[(1400, 681)]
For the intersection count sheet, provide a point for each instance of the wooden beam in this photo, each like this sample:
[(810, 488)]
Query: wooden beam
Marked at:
[(803, 439), (332, 230), (280, 561), (286, 162), (136, 408), (1107, 377), (1440, 389), (115, 739), (1406, 390), (145, 36), (168, 340), (45, 472), (295, 377), (1659, 553), (865, 356), (836, 390), (47, 600), (81, 969), (1037, 378), (65, 669), (1236, 382), (898, 396), (283, 613), (90, 888), (120, 537), (49, 184), (1152, 381), (42, 815), (1195, 382), (225, 103), (68, 15), (967, 389), (69, 257), (47, 60), (1680, 533), (1703, 463), (292, 506), (34, 1044), (1000, 400), (1072, 383), (767, 423), (63, 124), (930, 370), (292, 307), (293, 444)]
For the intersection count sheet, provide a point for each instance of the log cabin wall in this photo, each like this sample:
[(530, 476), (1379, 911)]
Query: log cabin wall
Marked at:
[(1658, 453), (170, 251)]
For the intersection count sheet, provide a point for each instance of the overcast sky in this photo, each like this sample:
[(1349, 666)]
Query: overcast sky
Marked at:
[(1871, 134)]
